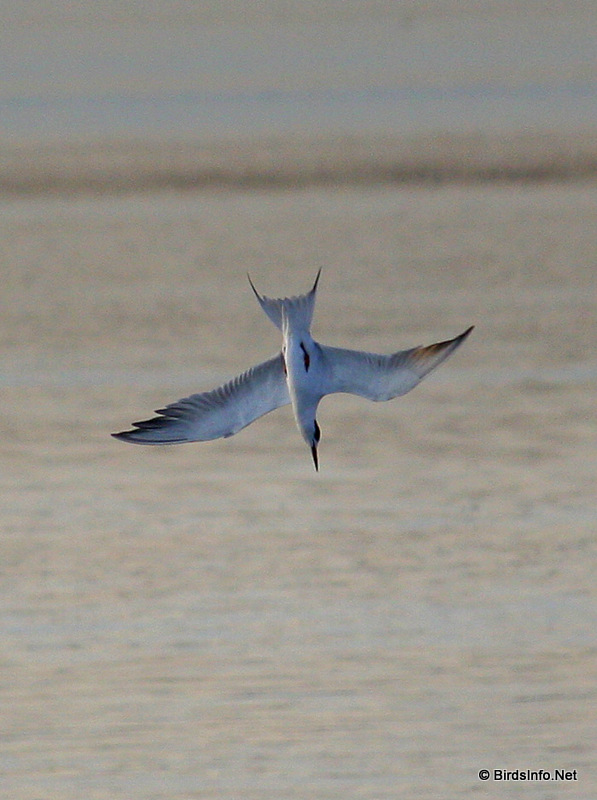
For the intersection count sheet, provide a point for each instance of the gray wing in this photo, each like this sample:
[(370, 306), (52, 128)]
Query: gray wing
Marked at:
[(221, 412), (381, 377)]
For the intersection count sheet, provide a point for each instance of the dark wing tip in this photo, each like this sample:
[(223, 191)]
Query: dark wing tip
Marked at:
[(129, 436), (122, 435), (431, 356), (151, 431), (449, 343)]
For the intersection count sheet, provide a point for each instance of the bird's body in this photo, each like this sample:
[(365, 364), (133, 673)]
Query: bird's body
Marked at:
[(301, 375)]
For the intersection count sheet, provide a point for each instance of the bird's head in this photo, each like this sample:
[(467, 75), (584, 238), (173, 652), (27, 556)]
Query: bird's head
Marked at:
[(314, 441)]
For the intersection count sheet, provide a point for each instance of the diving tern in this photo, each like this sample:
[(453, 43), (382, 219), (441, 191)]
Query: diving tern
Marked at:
[(301, 374)]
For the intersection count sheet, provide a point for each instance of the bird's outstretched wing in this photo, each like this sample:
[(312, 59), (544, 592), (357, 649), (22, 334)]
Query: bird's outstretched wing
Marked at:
[(221, 412), (381, 377)]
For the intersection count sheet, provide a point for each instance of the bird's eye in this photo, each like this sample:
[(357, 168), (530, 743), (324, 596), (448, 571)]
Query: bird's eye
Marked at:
[(317, 432)]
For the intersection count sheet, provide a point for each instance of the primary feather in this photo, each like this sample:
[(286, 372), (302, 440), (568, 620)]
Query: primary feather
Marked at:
[(219, 413), (382, 377), (301, 374)]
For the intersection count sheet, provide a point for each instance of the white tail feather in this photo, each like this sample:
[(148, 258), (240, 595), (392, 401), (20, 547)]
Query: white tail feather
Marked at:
[(299, 309)]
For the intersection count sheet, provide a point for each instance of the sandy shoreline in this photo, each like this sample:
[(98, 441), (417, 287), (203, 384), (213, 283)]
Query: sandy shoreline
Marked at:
[(292, 161)]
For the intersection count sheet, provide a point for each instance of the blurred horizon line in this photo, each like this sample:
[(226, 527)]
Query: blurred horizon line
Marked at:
[(286, 162)]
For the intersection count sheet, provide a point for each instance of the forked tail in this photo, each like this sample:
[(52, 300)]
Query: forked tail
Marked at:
[(297, 309)]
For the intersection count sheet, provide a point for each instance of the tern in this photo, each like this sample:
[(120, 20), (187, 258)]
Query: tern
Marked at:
[(301, 374)]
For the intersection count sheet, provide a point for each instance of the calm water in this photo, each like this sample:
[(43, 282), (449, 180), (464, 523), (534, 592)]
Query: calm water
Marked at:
[(219, 621), (462, 73)]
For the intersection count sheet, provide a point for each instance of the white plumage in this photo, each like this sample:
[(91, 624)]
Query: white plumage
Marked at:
[(301, 374)]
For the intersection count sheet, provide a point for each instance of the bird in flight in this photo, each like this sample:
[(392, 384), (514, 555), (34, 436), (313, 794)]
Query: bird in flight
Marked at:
[(301, 374)]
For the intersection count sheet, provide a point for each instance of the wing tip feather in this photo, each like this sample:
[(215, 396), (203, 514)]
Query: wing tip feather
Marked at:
[(150, 431), (430, 356)]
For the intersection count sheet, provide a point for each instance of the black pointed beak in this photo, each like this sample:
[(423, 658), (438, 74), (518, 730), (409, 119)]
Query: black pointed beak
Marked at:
[(314, 454)]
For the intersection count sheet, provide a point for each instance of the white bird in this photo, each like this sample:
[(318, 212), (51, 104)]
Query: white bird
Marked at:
[(301, 374)]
